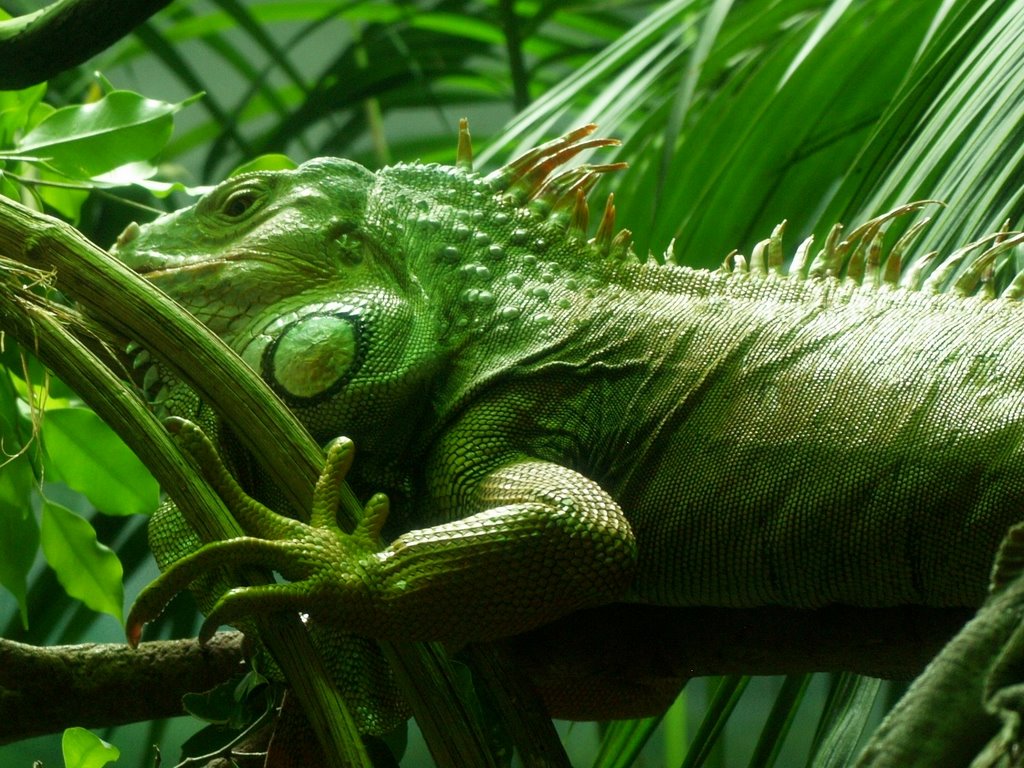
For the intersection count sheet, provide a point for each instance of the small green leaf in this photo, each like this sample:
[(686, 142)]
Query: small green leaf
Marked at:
[(271, 162), (15, 108), (85, 568), (19, 533), (83, 749), (217, 705), (64, 200), (86, 140), (90, 458)]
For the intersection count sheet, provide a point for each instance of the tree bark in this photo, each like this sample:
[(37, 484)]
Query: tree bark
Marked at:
[(44, 690)]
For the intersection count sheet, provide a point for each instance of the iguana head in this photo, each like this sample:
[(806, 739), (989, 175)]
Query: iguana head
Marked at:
[(346, 289), (284, 267)]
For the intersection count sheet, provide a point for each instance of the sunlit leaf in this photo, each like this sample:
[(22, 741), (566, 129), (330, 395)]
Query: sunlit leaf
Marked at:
[(86, 140), (85, 454), (15, 109), (86, 569), (271, 162), (83, 749)]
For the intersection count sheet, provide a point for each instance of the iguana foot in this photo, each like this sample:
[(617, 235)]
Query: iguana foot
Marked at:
[(323, 565)]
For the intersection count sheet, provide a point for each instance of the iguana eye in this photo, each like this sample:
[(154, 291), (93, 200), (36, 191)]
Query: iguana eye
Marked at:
[(239, 203)]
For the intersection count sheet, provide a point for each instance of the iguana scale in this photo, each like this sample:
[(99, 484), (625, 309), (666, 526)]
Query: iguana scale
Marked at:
[(558, 423)]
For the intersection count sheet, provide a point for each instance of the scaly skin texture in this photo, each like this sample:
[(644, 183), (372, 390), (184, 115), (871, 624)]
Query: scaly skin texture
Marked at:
[(559, 424)]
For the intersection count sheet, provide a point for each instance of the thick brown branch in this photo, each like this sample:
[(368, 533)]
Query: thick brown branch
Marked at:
[(39, 45), (44, 690), (647, 652), (645, 655)]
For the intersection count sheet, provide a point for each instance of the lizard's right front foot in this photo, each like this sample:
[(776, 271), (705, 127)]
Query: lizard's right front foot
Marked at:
[(328, 570)]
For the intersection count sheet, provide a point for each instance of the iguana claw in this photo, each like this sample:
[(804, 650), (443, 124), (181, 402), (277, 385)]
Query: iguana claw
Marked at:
[(320, 561)]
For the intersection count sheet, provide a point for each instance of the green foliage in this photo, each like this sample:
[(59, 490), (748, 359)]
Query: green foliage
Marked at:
[(83, 749), (84, 453), (19, 531), (734, 116), (86, 569), (60, 154)]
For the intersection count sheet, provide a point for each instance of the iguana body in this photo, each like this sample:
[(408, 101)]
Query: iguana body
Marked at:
[(559, 424)]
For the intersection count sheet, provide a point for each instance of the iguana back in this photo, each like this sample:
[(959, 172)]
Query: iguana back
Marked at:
[(561, 424)]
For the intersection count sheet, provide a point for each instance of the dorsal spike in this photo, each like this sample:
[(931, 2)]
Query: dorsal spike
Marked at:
[(728, 262), (873, 258), (914, 278), (510, 172), (892, 269), (798, 269), (987, 289), (857, 265), (537, 183), (620, 244), (1002, 243), (527, 173), (758, 261), (938, 279), (826, 263), (1015, 290), (580, 220), (563, 186), (858, 244), (967, 283), (740, 264), (901, 247), (606, 229), (464, 152), (669, 256), (776, 257)]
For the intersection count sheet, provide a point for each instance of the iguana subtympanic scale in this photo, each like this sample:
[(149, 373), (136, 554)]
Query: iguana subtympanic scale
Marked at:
[(561, 424)]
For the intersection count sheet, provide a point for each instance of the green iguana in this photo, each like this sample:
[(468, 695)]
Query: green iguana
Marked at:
[(560, 424)]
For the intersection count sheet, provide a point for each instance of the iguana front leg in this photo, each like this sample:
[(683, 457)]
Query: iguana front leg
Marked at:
[(546, 541)]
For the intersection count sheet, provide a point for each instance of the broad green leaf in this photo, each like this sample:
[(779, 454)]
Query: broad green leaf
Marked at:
[(84, 749), (85, 454), (86, 569), (19, 532), (86, 140)]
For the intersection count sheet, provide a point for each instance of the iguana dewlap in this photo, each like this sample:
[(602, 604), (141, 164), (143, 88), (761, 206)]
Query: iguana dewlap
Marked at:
[(560, 424)]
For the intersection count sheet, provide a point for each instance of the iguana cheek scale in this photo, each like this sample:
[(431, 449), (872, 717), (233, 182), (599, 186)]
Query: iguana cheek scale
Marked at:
[(559, 424)]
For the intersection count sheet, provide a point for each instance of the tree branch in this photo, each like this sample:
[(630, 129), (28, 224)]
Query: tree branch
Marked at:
[(644, 656), (36, 46), (44, 690), (646, 653)]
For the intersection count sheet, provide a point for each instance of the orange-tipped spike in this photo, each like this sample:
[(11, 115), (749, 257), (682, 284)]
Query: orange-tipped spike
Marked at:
[(580, 213), (532, 180), (606, 229), (513, 170), (529, 171), (620, 244), (464, 153)]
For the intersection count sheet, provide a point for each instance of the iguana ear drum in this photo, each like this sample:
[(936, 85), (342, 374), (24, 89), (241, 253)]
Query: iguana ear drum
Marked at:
[(315, 355)]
